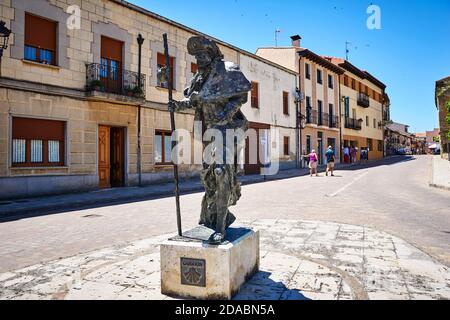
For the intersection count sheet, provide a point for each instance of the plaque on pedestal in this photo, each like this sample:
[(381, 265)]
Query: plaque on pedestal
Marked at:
[(192, 268)]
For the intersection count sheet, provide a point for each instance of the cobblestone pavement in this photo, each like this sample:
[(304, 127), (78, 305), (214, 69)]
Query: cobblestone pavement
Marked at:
[(393, 197), (299, 260)]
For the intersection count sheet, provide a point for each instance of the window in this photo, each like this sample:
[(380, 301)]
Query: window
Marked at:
[(161, 62), (330, 81), (255, 95), (193, 68), (307, 71), (163, 147), (374, 123), (111, 64), (285, 103), (319, 112), (353, 84), (308, 110), (367, 121), (331, 122), (319, 76), (308, 144), (346, 80), (369, 144), (380, 145), (40, 39), (37, 142), (286, 146)]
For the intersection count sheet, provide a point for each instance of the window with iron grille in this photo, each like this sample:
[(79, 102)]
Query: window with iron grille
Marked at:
[(40, 39), (37, 142)]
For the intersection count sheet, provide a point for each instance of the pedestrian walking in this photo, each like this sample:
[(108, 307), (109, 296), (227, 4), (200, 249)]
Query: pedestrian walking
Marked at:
[(313, 159), (330, 160), (353, 152), (346, 154)]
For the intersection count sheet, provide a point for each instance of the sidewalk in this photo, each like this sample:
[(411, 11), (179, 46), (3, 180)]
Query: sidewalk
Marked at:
[(440, 175), (300, 260), (129, 194)]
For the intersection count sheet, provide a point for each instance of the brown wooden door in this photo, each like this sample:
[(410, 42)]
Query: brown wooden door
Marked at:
[(104, 164), (254, 168), (117, 157)]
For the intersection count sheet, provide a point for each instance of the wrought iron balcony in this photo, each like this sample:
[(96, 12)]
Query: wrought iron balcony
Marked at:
[(363, 100), (311, 116), (354, 124), (100, 78), (333, 121)]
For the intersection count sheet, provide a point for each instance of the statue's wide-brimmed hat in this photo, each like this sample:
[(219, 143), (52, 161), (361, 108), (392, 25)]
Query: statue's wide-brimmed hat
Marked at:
[(198, 44)]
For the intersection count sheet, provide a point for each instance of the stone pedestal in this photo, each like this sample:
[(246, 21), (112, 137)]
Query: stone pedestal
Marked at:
[(191, 268)]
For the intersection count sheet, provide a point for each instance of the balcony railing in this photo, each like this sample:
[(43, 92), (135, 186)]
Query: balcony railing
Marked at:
[(333, 121), (311, 116), (324, 119), (112, 80), (351, 123), (363, 100)]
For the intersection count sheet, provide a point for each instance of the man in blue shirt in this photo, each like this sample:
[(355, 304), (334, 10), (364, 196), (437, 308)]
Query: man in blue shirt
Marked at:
[(330, 160)]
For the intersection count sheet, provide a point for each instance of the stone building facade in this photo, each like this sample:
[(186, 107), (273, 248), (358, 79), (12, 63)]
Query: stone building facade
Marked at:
[(318, 85), (69, 100)]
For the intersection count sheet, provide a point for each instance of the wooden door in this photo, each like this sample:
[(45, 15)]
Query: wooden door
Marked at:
[(255, 168), (117, 157), (104, 164)]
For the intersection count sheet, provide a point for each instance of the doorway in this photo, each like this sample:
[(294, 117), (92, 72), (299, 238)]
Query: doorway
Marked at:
[(261, 148), (111, 156)]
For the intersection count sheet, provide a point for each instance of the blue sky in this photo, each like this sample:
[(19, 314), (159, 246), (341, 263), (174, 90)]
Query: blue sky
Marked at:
[(408, 54)]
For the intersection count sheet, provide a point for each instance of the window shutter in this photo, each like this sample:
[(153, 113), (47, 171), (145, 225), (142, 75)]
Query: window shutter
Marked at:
[(255, 100), (40, 32), (111, 49), (285, 102)]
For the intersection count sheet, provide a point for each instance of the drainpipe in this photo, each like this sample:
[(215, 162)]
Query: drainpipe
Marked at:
[(299, 114), (340, 121), (140, 41)]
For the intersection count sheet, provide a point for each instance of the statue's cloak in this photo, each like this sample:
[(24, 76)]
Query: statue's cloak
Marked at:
[(224, 82)]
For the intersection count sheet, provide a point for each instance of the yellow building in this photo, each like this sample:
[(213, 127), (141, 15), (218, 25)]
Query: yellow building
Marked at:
[(318, 85), (362, 103)]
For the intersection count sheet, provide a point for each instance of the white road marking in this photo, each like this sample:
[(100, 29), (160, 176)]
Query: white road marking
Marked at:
[(347, 185)]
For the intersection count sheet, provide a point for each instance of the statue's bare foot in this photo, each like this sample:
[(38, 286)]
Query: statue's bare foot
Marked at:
[(216, 238)]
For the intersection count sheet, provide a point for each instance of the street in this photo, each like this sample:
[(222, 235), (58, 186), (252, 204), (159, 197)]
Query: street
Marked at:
[(392, 196)]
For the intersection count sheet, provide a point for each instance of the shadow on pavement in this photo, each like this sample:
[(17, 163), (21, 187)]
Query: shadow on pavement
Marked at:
[(261, 287)]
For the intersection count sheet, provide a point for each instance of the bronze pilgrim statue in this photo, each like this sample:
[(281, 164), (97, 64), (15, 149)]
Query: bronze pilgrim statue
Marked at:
[(216, 93)]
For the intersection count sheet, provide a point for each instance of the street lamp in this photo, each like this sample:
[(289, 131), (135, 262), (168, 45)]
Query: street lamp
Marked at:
[(300, 123), (140, 41), (4, 37)]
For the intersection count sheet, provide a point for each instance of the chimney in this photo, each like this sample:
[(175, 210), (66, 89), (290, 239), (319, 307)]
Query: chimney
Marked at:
[(296, 40)]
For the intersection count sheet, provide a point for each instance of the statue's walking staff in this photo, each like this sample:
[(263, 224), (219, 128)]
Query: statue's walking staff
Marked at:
[(172, 123)]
